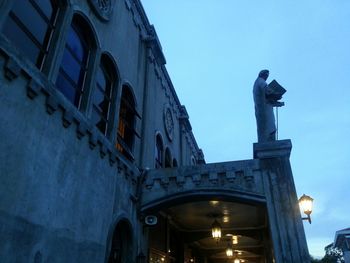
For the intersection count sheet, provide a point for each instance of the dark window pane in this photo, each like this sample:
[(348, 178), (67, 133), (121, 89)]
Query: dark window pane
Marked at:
[(63, 85), (99, 99), (101, 79), (45, 6), (30, 17), (20, 40), (126, 123), (108, 88), (98, 121), (74, 64), (75, 44), (105, 107), (129, 137), (71, 66)]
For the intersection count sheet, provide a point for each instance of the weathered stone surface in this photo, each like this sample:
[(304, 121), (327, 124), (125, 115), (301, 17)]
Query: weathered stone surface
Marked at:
[(235, 177), (282, 203)]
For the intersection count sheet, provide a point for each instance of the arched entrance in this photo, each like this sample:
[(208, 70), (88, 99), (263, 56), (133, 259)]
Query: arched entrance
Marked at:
[(121, 247), (183, 232)]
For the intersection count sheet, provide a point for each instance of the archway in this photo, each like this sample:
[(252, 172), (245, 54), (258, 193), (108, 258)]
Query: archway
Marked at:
[(121, 247), (183, 232)]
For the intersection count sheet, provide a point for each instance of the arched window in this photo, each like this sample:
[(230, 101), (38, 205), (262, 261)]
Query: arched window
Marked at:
[(168, 159), (175, 163), (159, 152), (74, 65), (126, 126), (106, 78), (30, 26), (121, 248), (193, 160)]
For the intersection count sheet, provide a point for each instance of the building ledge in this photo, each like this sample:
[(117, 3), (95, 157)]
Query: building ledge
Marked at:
[(274, 149)]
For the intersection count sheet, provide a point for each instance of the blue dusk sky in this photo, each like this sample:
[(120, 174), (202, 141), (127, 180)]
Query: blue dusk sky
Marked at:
[(214, 51)]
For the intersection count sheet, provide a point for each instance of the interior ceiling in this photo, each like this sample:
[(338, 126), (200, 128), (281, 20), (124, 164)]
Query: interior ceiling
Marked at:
[(247, 222), (198, 216)]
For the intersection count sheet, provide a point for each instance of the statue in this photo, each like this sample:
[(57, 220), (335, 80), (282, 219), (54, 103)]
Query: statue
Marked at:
[(265, 98)]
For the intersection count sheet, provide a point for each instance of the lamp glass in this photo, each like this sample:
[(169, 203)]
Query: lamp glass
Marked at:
[(229, 251), (236, 261), (216, 230), (306, 203), (235, 240)]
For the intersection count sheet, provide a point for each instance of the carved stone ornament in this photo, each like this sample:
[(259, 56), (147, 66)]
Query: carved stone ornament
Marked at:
[(168, 122), (102, 8)]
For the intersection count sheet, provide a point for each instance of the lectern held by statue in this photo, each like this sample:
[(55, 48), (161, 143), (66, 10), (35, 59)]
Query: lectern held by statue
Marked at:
[(274, 93)]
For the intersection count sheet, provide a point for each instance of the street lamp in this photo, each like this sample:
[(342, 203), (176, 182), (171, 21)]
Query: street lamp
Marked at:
[(305, 203), (216, 230)]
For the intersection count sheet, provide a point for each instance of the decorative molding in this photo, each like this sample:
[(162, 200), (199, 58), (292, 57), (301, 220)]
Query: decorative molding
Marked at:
[(12, 69), (51, 104), (33, 88), (67, 118), (102, 8), (127, 4), (168, 121)]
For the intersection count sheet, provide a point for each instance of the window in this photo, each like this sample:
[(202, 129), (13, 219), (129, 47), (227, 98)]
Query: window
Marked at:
[(159, 151), (121, 246), (30, 25), (168, 159), (126, 126), (74, 65), (175, 163), (102, 96)]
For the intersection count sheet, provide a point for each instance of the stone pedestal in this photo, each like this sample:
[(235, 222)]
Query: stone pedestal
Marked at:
[(287, 232)]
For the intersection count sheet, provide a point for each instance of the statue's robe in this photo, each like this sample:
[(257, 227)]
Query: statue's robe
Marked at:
[(265, 119)]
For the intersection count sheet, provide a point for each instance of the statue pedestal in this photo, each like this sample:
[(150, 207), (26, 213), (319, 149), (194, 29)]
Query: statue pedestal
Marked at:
[(287, 231), (272, 149)]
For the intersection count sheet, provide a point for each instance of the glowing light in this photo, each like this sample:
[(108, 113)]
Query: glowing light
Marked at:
[(216, 230), (229, 251), (235, 240), (305, 203)]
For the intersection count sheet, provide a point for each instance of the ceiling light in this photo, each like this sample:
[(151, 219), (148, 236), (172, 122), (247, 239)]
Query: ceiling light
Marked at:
[(216, 230)]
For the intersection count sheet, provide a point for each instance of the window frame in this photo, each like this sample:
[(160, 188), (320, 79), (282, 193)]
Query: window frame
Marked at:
[(81, 25), (122, 146), (159, 152), (168, 160), (108, 67), (53, 27)]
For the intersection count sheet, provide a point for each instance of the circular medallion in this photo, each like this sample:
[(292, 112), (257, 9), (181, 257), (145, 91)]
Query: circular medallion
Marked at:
[(168, 122), (102, 8)]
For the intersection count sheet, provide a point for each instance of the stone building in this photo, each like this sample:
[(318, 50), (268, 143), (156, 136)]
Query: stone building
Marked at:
[(342, 242), (98, 162)]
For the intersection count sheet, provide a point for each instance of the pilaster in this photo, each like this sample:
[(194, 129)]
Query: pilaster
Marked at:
[(287, 232)]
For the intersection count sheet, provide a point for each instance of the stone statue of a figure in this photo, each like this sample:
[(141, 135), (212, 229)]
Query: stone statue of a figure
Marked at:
[(265, 119)]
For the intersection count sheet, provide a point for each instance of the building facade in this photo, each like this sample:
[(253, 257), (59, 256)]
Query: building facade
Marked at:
[(342, 242), (98, 162)]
